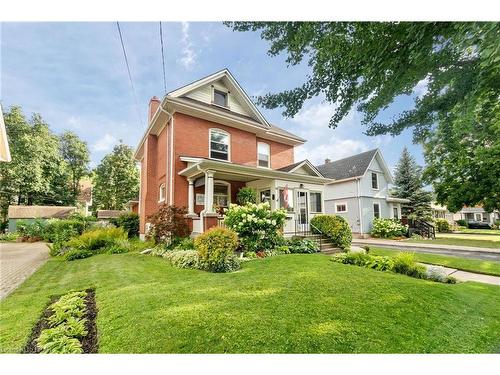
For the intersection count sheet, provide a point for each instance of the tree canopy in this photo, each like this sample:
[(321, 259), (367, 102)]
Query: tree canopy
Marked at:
[(116, 179), (366, 65)]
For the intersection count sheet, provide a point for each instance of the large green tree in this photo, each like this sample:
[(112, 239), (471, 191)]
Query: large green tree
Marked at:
[(408, 184), (116, 179), (76, 154), (367, 65)]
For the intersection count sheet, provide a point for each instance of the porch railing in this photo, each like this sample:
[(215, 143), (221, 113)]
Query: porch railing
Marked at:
[(220, 222)]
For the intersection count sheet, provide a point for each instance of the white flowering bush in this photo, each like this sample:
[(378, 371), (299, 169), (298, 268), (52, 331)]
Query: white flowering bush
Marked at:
[(257, 226), (388, 228)]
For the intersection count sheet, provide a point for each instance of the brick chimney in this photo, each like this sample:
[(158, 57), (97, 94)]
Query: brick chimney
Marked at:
[(327, 161), (154, 103)]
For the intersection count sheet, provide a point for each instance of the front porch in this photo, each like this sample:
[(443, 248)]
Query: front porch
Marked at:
[(214, 185)]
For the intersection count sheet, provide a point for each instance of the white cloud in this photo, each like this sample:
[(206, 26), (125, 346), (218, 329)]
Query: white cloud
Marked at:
[(421, 87), (338, 149), (188, 58), (106, 143)]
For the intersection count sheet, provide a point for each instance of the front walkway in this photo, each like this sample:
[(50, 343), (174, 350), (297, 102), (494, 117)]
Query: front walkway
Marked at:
[(18, 261), (453, 250), (470, 276)]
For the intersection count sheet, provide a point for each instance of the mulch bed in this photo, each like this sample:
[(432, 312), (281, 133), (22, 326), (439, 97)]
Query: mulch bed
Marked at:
[(89, 342)]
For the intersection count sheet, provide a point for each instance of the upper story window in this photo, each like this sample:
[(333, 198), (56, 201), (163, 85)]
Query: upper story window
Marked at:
[(162, 193), (374, 180), (263, 155), (220, 98), (219, 144)]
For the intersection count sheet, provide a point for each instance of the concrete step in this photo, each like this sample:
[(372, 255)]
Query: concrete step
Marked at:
[(331, 250)]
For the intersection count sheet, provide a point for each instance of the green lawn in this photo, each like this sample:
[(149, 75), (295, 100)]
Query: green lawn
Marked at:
[(284, 304), (481, 231), (473, 265), (460, 240)]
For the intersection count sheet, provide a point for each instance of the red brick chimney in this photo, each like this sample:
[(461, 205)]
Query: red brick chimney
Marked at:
[(154, 103)]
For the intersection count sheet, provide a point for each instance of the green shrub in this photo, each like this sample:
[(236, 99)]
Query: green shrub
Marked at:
[(335, 228), (303, 246), (9, 237), (186, 243), (120, 247), (75, 254), (183, 258), (129, 222), (405, 263), (250, 255), (246, 195), (257, 226), (54, 341), (462, 223), (32, 230), (168, 222), (388, 228), (284, 249), (215, 247), (98, 239), (62, 230), (442, 225)]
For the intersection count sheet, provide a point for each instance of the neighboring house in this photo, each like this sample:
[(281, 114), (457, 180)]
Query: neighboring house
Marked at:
[(84, 198), (32, 213), (476, 213), (360, 190), (133, 206), (205, 141), (4, 142), (109, 214)]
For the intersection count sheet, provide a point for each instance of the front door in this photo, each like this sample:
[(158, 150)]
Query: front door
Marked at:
[(302, 210)]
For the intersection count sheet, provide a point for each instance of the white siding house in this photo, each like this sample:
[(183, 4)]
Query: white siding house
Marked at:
[(359, 190)]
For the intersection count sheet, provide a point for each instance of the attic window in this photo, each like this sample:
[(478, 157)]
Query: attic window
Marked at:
[(220, 98)]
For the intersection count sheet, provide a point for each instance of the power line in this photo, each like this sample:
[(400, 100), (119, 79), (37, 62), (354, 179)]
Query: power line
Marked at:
[(163, 61), (129, 74)]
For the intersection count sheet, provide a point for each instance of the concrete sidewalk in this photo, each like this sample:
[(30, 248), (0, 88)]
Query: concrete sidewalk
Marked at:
[(470, 276), (430, 248)]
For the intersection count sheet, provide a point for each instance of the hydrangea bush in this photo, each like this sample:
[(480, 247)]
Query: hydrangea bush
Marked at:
[(388, 228), (257, 226)]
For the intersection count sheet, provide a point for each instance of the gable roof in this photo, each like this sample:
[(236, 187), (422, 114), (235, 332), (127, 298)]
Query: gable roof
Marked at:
[(235, 87), (303, 163), (350, 167)]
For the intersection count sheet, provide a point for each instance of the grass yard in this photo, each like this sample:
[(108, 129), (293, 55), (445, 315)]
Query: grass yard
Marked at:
[(481, 231), (283, 304), (491, 241), (473, 265)]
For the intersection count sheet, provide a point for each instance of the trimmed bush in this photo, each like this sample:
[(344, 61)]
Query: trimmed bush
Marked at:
[(215, 247), (388, 228), (335, 228), (257, 226), (462, 223), (442, 225), (129, 222), (302, 246), (183, 258)]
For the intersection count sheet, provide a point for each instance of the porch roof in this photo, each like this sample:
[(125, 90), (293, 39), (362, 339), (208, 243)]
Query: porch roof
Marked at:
[(245, 172)]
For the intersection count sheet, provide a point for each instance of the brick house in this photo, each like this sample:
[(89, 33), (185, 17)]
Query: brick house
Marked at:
[(207, 140)]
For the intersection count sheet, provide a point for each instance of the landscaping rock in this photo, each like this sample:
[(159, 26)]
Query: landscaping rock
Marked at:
[(146, 251)]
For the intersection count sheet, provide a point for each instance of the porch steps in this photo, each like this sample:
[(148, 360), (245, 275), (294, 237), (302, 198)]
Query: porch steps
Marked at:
[(325, 246)]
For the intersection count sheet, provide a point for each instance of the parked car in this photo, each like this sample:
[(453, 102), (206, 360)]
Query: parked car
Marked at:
[(472, 224)]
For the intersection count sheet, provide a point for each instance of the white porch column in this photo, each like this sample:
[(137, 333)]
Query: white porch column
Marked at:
[(209, 191), (190, 196)]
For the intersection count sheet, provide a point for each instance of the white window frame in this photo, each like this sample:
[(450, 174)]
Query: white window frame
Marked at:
[(379, 212), (371, 181), (162, 193), (222, 90), (320, 201), (268, 155), (217, 130), (340, 204)]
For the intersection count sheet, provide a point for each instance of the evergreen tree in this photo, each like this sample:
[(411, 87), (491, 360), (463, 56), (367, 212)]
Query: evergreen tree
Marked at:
[(408, 184), (116, 179)]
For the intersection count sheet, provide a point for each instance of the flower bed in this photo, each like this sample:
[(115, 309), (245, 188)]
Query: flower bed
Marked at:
[(67, 326)]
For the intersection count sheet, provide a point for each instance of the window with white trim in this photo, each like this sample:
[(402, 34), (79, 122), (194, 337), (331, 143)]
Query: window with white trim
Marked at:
[(162, 193), (315, 202), (376, 210), (219, 144), (341, 207), (220, 98), (264, 155), (374, 180)]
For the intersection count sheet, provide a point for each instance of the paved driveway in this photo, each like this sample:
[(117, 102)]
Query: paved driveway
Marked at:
[(18, 261)]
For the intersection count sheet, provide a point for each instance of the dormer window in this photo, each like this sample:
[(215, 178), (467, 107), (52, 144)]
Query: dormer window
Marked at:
[(219, 144), (220, 98)]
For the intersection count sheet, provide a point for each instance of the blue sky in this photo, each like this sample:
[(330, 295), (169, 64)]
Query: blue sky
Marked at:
[(74, 75)]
